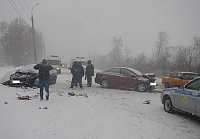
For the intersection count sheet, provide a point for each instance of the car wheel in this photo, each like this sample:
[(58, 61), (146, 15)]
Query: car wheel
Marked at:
[(168, 107), (166, 85), (142, 87), (104, 84)]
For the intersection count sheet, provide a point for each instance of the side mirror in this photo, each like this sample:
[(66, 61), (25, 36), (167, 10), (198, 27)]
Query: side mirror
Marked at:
[(181, 86)]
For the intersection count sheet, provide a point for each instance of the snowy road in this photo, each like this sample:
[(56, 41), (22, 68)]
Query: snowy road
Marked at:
[(104, 114)]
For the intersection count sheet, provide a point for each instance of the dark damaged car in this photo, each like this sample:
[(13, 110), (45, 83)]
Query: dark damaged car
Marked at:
[(128, 78), (26, 77)]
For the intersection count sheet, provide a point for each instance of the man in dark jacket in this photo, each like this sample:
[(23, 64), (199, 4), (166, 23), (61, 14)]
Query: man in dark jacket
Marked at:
[(44, 69), (77, 72), (89, 73)]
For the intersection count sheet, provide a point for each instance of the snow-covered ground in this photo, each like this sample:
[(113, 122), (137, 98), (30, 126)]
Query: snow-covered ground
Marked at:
[(104, 114)]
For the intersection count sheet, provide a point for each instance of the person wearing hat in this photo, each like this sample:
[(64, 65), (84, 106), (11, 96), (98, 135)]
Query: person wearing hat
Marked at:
[(44, 69)]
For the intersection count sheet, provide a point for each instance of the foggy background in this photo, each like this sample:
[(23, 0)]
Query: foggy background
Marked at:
[(85, 27)]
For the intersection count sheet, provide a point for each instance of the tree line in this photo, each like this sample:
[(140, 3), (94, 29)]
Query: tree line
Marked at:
[(16, 38), (163, 59)]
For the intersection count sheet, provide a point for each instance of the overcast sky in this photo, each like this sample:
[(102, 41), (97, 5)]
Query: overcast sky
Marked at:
[(83, 27)]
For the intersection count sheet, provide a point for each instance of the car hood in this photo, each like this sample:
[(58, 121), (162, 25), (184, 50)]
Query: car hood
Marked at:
[(142, 78)]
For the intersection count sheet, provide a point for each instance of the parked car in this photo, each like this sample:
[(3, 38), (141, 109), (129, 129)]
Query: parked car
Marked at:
[(176, 78), (123, 77), (185, 98), (26, 77)]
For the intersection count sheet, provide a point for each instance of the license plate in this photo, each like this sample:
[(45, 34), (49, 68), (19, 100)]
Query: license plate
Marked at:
[(152, 84), (16, 81)]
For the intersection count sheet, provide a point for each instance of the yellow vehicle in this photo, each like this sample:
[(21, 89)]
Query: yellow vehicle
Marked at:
[(176, 78), (55, 62)]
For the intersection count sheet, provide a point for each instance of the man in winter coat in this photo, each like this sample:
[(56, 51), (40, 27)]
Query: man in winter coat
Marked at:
[(44, 69), (89, 73), (77, 72)]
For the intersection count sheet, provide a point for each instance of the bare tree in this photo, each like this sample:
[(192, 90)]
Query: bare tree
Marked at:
[(140, 63), (116, 54), (196, 48), (16, 39), (162, 52)]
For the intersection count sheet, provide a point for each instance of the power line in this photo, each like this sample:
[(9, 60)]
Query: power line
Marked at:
[(16, 9)]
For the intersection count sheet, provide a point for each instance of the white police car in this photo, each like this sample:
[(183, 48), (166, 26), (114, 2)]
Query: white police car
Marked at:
[(185, 98)]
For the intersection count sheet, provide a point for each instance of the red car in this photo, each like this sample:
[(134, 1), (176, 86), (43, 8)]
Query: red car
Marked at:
[(123, 77)]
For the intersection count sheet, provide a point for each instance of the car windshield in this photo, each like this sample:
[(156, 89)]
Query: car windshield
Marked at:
[(53, 62), (194, 85), (135, 71), (84, 63)]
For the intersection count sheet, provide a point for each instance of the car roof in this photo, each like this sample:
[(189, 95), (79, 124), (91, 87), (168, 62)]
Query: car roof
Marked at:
[(184, 72), (131, 69)]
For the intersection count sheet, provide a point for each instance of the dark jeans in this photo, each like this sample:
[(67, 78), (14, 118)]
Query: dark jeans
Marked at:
[(43, 84), (89, 79), (75, 81)]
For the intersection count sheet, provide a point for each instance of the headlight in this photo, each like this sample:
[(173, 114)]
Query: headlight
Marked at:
[(57, 68)]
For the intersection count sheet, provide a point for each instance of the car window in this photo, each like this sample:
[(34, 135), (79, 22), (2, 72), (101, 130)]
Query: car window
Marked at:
[(179, 75), (194, 85), (188, 76), (126, 72), (114, 70), (174, 75)]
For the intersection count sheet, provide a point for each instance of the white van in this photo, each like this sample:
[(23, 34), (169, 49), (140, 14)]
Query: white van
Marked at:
[(82, 60)]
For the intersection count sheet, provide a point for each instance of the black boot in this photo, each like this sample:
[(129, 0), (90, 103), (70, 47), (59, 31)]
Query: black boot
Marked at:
[(71, 86), (47, 97), (89, 85)]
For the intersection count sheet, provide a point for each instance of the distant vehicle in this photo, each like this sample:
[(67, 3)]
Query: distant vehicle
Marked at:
[(55, 62), (123, 77), (183, 98), (82, 60), (176, 78), (26, 77)]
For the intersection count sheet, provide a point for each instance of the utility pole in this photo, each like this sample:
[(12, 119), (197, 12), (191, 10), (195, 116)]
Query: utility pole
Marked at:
[(33, 30)]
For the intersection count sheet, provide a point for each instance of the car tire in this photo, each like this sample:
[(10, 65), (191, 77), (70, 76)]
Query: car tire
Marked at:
[(166, 85), (168, 106), (104, 84), (141, 87)]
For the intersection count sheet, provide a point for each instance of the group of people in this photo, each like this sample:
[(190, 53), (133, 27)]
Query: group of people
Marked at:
[(77, 74)]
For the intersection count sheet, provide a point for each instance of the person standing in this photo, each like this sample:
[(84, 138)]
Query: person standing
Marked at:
[(77, 74), (74, 74), (44, 69), (89, 73), (80, 74)]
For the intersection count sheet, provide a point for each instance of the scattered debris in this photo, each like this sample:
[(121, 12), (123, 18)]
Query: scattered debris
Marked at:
[(146, 102), (5, 102), (85, 95), (45, 108), (20, 97), (71, 93)]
